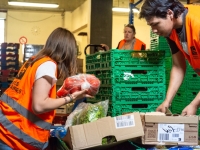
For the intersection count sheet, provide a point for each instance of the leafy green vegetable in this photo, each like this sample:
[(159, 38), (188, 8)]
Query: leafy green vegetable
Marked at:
[(75, 119), (89, 114), (108, 140)]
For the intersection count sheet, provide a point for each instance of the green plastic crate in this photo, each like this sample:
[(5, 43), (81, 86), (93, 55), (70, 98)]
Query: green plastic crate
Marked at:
[(132, 94), (127, 76), (116, 110), (168, 62), (124, 58)]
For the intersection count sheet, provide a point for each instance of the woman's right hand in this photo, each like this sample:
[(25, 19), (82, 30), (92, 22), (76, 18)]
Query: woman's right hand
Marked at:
[(80, 94)]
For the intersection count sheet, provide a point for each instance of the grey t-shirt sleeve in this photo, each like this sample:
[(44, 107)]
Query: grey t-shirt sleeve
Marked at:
[(174, 48)]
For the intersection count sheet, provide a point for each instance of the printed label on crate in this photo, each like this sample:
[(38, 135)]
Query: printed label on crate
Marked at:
[(171, 132), (124, 121), (127, 75)]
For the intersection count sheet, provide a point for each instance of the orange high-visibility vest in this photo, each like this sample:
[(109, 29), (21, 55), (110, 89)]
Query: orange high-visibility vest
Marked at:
[(20, 128), (192, 25), (138, 45)]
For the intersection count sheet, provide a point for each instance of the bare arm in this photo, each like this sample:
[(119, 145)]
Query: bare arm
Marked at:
[(41, 102), (176, 77)]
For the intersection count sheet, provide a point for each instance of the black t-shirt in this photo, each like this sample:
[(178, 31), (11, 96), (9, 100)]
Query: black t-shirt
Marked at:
[(174, 48)]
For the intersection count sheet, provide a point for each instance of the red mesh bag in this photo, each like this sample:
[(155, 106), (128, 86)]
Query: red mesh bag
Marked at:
[(78, 83)]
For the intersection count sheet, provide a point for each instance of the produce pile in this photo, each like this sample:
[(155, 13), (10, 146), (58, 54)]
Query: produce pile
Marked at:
[(87, 112)]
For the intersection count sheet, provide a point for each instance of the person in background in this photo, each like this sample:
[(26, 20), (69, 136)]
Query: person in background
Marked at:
[(130, 42), (27, 106), (181, 27)]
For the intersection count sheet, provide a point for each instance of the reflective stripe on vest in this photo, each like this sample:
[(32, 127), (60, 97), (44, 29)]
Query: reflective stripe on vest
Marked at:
[(19, 133), (24, 112)]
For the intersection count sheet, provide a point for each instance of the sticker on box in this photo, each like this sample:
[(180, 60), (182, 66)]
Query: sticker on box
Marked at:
[(171, 132), (124, 121)]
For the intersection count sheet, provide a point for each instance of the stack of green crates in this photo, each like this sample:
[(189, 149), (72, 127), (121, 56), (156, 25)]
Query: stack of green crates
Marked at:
[(187, 92), (131, 80)]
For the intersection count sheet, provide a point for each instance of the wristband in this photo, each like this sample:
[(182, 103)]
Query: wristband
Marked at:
[(71, 99), (66, 101)]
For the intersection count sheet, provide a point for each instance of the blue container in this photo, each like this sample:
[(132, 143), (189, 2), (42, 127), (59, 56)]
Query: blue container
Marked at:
[(181, 148), (59, 132)]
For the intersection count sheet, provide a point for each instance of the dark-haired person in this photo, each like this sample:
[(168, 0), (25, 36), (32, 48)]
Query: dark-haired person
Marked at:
[(181, 26), (27, 106), (130, 42)]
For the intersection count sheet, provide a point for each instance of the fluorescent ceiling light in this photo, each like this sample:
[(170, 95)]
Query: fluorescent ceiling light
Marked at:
[(117, 9), (33, 4)]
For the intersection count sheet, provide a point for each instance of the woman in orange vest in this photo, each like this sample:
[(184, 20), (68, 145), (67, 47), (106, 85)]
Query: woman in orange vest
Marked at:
[(130, 42), (181, 26), (27, 106)]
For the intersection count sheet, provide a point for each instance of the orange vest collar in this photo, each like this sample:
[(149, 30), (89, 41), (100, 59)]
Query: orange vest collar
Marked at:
[(137, 46), (193, 37)]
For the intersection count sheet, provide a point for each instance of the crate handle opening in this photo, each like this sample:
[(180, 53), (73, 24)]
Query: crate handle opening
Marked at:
[(139, 72), (139, 88), (194, 75), (139, 106)]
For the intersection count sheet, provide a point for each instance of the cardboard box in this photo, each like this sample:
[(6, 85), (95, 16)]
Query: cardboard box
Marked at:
[(161, 129), (90, 134)]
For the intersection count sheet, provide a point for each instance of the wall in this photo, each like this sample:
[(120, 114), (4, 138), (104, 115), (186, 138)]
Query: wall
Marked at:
[(79, 23), (82, 43), (142, 29), (35, 26), (67, 20), (80, 17)]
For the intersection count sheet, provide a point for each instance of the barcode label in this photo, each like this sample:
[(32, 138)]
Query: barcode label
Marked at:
[(124, 117), (124, 121), (124, 124), (171, 132), (164, 137)]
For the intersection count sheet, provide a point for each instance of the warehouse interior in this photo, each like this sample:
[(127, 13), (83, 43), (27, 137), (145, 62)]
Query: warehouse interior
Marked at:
[(94, 22)]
